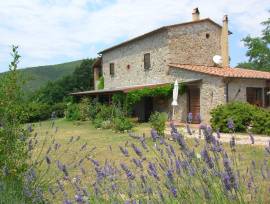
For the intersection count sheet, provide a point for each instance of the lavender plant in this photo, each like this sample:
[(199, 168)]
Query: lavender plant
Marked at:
[(158, 171)]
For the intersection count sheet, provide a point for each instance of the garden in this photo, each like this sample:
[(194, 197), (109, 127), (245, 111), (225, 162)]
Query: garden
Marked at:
[(96, 154)]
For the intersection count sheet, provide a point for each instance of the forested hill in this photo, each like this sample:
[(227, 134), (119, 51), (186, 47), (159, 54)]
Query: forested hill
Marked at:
[(37, 77)]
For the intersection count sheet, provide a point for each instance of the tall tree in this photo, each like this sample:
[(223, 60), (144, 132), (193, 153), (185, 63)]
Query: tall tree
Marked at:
[(258, 50), (83, 76)]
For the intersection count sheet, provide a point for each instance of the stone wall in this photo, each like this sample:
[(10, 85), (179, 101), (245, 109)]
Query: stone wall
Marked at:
[(237, 88), (186, 44), (212, 93), (194, 43), (132, 54)]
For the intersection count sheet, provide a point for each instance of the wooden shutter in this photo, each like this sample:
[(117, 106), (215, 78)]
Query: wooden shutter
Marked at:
[(254, 96), (147, 62), (112, 69)]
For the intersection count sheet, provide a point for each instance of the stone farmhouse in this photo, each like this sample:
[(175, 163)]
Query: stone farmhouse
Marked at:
[(184, 52)]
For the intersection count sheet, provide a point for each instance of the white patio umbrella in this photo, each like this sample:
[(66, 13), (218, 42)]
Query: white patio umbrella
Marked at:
[(175, 96)]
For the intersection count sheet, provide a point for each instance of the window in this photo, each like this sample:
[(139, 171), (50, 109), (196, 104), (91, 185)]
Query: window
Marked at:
[(147, 62), (112, 69), (254, 96), (207, 35)]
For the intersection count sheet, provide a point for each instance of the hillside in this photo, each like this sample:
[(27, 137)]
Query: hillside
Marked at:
[(37, 77)]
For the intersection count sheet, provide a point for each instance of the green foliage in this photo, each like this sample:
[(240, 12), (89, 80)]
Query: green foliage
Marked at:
[(258, 50), (13, 137), (55, 92), (243, 115), (72, 112), (42, 111), (101, 83), (127, 101), (122, 124), (84, 108), (158, 122)]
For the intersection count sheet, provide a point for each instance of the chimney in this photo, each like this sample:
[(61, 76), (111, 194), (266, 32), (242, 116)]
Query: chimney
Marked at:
[(195, 14), (225, 42)]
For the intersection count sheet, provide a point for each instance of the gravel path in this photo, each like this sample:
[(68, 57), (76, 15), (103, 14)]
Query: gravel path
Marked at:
[(261, 140)]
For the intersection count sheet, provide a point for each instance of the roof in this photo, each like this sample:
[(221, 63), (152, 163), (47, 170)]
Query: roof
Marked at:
[(224, 72), (159, 30)]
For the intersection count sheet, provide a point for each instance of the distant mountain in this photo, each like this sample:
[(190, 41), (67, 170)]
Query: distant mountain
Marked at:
[(37, 77)]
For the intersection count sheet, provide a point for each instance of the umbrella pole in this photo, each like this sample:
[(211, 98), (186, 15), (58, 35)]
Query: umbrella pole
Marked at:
[(173, 113)]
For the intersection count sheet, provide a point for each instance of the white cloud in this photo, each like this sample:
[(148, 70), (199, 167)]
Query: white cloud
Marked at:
[(49, 30)]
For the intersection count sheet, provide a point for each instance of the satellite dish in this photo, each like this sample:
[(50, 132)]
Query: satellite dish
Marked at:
[(217, 59)]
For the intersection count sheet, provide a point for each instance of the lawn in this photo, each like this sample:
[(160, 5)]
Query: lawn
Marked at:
[(106, 144)]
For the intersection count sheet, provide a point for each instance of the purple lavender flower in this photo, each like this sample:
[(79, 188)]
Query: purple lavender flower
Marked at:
[(124, 151), (230, 124), (79, 198), (95, 162), (169, 174), (67, 202), (137, 162), (172, 150), (173, 128), (129, 174), (136, 150), (207, 159), (229, 172), (173, 191), (154, 135), (153, 170), (189, 117)]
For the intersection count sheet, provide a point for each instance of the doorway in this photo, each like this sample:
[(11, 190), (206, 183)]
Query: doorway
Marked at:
[(194, 103)]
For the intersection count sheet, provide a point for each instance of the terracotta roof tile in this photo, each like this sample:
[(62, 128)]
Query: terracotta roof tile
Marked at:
[(224, 72)]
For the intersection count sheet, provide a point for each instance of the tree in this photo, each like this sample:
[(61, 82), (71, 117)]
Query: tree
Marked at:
[(83, 76), (82, 79), (258, 50)]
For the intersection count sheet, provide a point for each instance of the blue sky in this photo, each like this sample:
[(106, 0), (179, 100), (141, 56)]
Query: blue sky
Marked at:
[(56, 31)]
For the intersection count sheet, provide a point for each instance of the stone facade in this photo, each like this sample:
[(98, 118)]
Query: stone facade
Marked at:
[(237, 88), (212, 93), (132, 54), (195, 43)]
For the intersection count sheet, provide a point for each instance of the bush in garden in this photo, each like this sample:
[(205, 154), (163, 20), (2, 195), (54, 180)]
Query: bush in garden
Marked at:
[(158, 122), (122, 124), (243, 115), (40, 111), (72, 112), (84, 108)]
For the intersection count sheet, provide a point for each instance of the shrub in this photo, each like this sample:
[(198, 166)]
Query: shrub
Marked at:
[(158, 121), (122, 124), (41, 111), (72, 112), (243, 115), (84, 108)]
